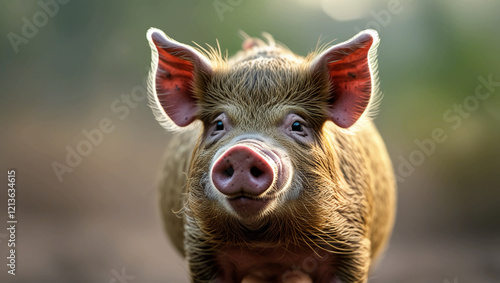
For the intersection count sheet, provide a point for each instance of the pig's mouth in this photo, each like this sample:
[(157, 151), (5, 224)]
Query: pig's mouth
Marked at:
[(247, 206)]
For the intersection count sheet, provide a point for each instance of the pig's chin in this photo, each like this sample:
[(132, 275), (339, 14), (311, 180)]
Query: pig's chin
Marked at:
[(247, 207), (250, 212)]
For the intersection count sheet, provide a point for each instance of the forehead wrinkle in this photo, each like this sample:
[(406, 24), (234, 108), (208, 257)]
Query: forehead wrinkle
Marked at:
[(263, 118)]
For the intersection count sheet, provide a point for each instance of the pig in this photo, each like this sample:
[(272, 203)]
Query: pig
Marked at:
[(275, 171)]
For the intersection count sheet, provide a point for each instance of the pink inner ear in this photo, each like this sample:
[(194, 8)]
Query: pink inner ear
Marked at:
[(174, 78), (350, 80)]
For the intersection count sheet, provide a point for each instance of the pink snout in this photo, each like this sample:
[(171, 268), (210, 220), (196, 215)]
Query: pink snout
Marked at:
[(242, 171)]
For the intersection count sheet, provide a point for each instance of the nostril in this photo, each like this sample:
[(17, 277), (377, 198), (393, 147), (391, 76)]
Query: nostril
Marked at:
[(229, 171), (242, 170), (256, 172)]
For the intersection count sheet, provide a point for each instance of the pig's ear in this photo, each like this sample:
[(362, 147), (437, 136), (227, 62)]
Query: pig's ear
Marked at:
[(351, 70), (175, 69)]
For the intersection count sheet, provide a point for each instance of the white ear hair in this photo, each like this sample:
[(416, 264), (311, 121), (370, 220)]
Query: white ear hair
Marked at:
[(200, 61), (337, 52)]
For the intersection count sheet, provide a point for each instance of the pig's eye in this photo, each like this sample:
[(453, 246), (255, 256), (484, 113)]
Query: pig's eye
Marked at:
[(219, 126), (297, 127)]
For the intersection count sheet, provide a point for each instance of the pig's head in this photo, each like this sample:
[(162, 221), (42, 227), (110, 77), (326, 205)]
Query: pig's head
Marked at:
[(265, 162)]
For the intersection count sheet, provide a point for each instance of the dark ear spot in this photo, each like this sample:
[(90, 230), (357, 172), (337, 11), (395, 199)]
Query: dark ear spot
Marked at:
[(177, 65), (350, 76)]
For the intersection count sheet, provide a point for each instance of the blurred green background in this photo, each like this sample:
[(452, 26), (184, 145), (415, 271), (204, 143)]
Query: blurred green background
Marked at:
[(100, 223)]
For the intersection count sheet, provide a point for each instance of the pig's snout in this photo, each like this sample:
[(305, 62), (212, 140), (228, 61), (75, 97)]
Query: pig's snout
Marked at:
[(242, 171)]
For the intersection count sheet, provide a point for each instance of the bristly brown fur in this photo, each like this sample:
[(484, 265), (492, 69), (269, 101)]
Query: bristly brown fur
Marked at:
[(346, 204)]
